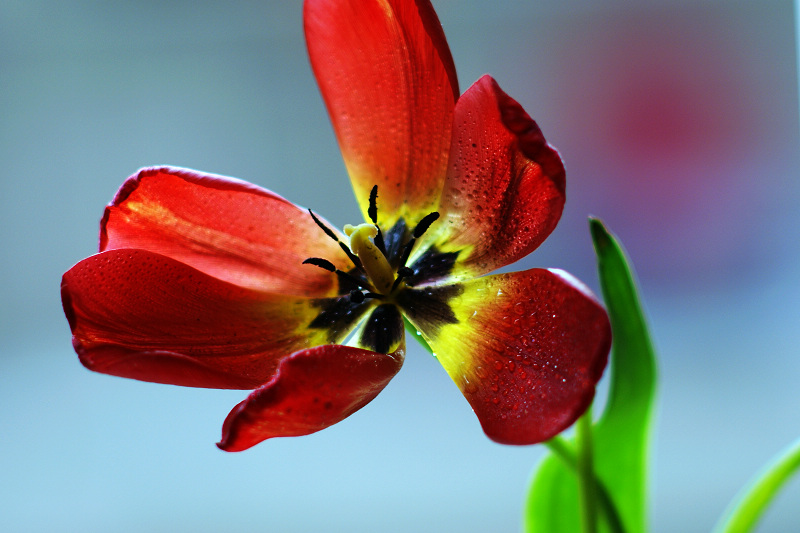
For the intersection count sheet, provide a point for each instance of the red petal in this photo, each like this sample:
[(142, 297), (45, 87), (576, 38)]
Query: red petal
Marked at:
[(505, 186), (141, 315), (227, 228), (312, 390), (526, 349), (388, 79)]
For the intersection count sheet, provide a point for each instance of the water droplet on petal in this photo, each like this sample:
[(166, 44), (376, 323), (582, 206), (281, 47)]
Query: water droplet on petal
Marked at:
[(469, 387)]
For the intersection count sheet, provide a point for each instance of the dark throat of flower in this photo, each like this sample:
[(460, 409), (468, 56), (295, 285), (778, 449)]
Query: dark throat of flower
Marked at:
[(378, 272), (389, 281)]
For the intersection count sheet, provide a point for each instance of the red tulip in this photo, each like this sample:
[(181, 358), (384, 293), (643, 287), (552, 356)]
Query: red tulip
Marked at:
[(200, 279)]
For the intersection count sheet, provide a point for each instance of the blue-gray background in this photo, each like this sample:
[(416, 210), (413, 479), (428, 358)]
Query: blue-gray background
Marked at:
[(678, 123)]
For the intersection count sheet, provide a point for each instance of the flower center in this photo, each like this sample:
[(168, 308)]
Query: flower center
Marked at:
[(378, 269), (373, 260), (382, 286)]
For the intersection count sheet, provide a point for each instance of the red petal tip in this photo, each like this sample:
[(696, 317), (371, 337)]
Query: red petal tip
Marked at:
[(313, 389)]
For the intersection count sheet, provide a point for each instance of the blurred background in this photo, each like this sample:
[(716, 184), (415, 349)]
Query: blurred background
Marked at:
[(678, 122)]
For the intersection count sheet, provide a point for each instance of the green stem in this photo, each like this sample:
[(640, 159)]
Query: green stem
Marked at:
[(745, 511), (561, 449), (586, 479)]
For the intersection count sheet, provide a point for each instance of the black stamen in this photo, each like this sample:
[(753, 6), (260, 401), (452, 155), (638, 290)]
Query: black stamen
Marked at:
[(407, 251), (425, 223), (330, 267), (375, 295), (319, 262), (353, 280), (356, 296), (402, 272), (353, 257), (378, 240), (373, 204), (372, 212), (421, 228), (328, 231)]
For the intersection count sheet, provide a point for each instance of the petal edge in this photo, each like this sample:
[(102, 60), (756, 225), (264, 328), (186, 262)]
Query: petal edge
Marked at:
[(226, 227), (312, 390)]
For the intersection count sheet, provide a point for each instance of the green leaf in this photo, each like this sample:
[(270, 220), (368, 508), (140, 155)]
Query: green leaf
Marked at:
[(621, 436), (743, 514), (552, 504)]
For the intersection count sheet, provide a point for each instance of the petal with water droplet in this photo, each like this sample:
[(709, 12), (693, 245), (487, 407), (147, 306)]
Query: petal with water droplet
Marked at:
[(530, 383), (505, 185)]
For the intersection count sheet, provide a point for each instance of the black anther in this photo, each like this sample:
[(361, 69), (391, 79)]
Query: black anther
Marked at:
[(353, 257), (319, 262), (373, 205), (425, 223), (356, 296), (421, 228), (328, 231), (402, 272)]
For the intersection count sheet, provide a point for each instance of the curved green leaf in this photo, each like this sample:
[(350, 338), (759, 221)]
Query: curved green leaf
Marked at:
[(745, 511)]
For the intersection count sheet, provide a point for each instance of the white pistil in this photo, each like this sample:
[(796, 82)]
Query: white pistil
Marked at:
[(376, 266)]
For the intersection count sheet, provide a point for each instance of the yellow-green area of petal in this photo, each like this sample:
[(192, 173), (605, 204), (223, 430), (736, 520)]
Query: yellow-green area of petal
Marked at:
[(525, 348)]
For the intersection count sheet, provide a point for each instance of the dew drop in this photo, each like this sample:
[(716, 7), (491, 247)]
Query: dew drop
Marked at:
[(469, 387)]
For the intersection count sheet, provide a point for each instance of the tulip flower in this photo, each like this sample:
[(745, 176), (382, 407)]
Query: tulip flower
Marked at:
[(207, 281)]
